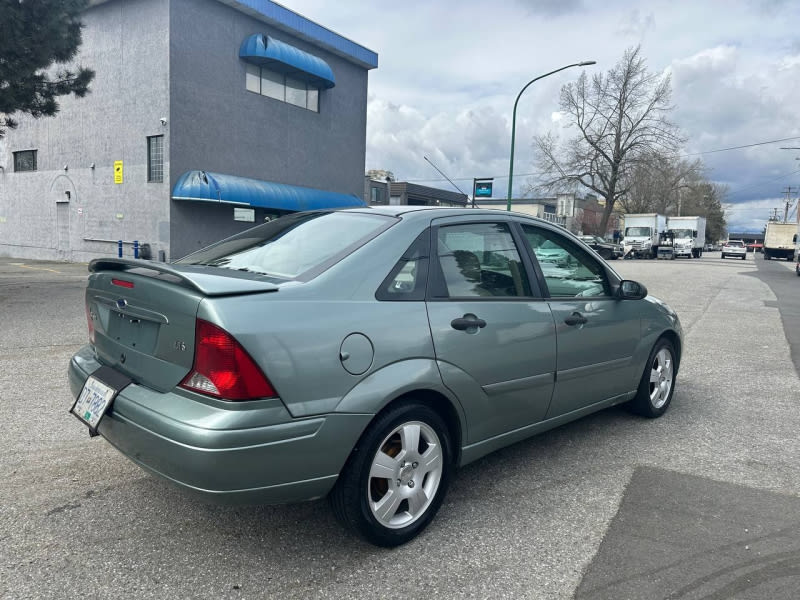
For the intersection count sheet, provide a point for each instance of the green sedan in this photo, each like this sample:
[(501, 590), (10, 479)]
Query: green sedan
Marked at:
[(362, 355)]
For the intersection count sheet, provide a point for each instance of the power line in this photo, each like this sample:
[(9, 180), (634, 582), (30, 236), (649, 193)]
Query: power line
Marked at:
[(741, 147), (678, 156), (762, 184)]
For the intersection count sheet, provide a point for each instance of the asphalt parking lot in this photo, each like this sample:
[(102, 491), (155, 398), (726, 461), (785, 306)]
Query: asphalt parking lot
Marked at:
[(702, 503)]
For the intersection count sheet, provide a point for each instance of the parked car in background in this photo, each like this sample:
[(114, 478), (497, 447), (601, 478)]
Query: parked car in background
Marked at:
[(606, 249), (362, 355), (734, 249)]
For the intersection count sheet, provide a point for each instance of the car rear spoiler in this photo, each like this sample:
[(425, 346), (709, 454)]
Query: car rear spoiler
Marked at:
[(220, 282)]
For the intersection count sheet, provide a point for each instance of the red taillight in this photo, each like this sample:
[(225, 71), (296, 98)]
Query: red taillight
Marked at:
[(123, 283), (223, 369), (90, 323)]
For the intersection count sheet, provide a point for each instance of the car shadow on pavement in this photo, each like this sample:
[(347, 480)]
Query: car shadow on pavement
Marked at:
[(682, 537)]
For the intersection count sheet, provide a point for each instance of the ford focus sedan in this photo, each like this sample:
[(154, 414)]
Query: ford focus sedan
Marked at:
[(362, 355)]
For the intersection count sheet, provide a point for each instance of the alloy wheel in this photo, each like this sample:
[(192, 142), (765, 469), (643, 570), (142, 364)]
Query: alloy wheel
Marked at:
[(661, 377), (405, 474)]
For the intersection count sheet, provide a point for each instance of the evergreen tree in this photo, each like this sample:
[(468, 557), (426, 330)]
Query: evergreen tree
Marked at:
[(38, 41)]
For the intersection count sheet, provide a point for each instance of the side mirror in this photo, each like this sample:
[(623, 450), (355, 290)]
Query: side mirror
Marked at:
[(631, 290)]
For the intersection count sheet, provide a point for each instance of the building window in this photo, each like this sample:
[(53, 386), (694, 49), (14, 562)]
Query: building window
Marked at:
[(155, 158), (281, 87), (25, 160), (376, 196)]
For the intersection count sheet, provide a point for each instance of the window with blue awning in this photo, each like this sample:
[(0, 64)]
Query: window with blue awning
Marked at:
[(266, 51)]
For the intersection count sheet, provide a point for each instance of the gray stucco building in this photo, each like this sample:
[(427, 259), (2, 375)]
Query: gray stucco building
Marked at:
[(204, 118)]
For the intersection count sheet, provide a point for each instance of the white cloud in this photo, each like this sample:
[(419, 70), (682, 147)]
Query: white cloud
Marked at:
[(449, 75)]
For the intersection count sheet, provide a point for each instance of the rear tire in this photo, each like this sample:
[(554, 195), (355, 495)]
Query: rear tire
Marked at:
[(658, 382), (396, 477)]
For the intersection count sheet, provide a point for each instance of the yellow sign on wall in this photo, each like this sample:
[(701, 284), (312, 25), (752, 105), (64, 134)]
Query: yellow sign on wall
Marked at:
[(117, 171)]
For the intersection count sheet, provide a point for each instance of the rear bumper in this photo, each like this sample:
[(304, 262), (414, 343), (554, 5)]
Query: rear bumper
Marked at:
[(243, 453)]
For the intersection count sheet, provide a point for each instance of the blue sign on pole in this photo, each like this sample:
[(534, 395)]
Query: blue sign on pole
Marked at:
[(483, 189)]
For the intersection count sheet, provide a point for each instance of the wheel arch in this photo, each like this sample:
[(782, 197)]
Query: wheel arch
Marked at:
[(407, 381), (443, 407), (675, 340)]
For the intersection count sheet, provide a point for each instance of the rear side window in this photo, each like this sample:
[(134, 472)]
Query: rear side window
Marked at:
[(407, 280), (298, 246)]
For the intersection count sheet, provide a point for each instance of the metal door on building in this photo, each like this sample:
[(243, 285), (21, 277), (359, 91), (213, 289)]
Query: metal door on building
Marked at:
[(62, 230)]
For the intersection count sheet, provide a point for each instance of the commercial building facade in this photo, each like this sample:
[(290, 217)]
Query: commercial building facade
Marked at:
[(204, 118)]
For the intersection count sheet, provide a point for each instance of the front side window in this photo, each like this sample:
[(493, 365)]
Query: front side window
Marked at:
[(297, 246), (567, 269), (25, 160), (155, 158), (481, 260), (279, 86)]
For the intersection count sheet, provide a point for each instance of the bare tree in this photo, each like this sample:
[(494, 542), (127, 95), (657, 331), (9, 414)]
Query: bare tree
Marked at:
[(620, 117), (658, 182), (705, 199)]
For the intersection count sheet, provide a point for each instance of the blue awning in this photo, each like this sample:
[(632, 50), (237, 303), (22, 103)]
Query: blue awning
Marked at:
[(218, 187), (264, 50)]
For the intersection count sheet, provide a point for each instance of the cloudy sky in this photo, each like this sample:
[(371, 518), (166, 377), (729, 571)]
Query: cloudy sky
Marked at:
[(449, 73)]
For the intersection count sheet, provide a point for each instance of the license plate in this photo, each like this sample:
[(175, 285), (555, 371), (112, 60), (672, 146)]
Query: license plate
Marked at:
[(93, 402)]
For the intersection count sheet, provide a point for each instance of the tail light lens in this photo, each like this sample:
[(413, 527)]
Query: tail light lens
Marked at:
[(223, 369), (90, 323)]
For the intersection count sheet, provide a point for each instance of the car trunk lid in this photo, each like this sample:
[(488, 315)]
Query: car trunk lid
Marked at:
[(144, 314)]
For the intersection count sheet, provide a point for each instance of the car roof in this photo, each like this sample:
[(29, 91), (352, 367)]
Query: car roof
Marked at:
[(427, 212)]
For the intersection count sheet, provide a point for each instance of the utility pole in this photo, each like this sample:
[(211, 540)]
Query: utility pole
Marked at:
[(787, 204)]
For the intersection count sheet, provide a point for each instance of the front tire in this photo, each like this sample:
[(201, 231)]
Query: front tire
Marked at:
[(397, 476), (658, 381)]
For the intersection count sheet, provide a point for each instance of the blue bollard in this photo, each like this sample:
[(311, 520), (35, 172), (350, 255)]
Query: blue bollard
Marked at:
[(119, 248), (135, 248)]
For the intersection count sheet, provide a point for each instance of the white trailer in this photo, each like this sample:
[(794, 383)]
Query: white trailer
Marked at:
[(779, 240), (642, 231), (689, 235)]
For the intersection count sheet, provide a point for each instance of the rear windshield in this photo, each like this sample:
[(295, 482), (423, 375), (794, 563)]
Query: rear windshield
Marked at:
[(739, 244), (297, 246)]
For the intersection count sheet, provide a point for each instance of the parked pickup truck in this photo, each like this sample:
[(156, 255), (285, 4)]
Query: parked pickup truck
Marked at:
[(608, 250)]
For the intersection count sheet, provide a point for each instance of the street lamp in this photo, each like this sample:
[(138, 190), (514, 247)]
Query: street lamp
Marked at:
[(514, 120)]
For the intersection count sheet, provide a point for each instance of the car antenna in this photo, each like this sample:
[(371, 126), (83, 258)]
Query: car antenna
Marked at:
[(448, 179)]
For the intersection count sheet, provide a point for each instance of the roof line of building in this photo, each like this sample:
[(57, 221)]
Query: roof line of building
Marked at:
[(287, 20)]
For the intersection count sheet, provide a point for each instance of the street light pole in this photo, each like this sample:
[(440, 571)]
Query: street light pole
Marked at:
[(514, 120)]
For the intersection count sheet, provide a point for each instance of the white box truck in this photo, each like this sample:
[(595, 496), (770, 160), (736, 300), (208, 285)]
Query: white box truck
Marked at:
[(641, 236), (688, 235), (779, 240)]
